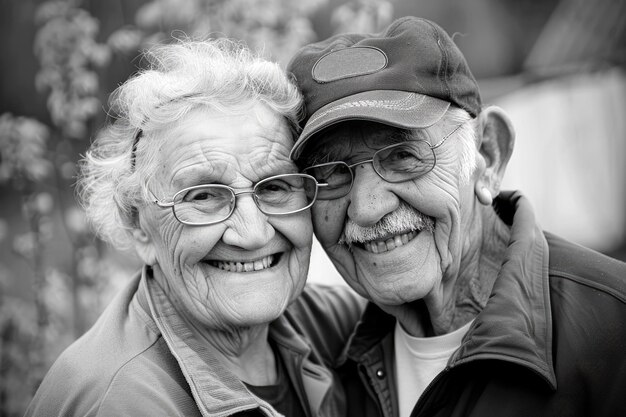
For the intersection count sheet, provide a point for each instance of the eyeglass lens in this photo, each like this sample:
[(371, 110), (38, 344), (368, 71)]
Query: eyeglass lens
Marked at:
[(395, 163), (282, 194), (285, 194)]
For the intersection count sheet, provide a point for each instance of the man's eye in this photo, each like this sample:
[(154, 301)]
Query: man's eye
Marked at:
[(401, 155)]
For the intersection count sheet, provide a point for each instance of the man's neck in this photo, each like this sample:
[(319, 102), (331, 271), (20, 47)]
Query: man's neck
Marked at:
[(468, 292), (479, 269)]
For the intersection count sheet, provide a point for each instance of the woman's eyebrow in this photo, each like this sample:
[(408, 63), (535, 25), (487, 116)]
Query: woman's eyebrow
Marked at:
[(209, 173)]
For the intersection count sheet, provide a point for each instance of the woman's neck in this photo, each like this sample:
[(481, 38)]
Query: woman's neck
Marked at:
[(246, 352)]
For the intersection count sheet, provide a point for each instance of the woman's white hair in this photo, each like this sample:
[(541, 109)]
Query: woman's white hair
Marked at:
[(220, 74)]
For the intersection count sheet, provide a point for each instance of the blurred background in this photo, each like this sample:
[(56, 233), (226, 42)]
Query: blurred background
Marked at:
[(556, 66)]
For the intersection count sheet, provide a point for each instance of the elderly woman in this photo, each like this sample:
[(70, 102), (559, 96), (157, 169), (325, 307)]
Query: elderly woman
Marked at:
[(195, 175)]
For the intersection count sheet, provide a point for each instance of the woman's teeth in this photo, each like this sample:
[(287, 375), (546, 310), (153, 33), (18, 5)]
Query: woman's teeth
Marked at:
[(379, 246), (257, 265)]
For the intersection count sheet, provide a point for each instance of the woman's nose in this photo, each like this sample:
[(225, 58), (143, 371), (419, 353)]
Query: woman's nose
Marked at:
[(248, 227), (370, 197)]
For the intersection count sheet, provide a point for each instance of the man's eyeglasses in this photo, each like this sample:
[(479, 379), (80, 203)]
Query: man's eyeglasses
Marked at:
[(395, 163), (207, 204)]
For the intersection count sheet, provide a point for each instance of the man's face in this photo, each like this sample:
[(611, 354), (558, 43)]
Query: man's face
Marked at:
[(393, 242), (246, 269)]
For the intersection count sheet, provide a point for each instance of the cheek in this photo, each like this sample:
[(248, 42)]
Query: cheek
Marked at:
[(328, 221), (165, 232), (296, 228), (440, 199), (182, 247)]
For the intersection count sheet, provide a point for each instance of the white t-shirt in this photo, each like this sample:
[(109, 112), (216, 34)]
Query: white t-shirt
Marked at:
[(418, 360)]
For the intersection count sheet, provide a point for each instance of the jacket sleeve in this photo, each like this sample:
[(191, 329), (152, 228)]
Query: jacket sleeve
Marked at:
[(326, 315)]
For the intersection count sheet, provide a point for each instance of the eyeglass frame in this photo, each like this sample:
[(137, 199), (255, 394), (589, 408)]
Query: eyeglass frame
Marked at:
[(235, 193), (371, 160)]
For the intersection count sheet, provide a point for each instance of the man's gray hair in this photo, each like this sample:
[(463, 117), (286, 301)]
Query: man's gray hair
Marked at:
[(219, 74), (466, 137)]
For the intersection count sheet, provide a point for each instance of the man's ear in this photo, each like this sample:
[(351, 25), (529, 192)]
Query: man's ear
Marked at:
[(144, 245), (497, 138)]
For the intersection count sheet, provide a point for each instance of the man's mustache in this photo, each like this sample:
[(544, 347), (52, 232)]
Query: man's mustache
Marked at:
[(402, 220)]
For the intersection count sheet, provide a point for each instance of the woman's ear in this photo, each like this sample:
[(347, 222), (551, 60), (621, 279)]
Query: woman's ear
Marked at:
[(497, 138), (144, 245)]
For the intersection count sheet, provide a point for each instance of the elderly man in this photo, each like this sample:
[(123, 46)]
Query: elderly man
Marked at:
[(474, 310)]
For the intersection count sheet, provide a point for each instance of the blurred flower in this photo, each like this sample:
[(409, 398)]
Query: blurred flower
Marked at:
[(57, 295), (125, 40), (362, 16), (23, 148), (68, 54), (44, 203), (68, 170), (25, 244), (75, 220), (277, 28)]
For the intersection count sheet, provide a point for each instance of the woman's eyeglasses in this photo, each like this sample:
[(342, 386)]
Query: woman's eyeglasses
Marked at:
[(207, 204)]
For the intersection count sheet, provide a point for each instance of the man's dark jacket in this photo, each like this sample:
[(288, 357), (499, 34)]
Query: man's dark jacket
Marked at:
[(551, 340)]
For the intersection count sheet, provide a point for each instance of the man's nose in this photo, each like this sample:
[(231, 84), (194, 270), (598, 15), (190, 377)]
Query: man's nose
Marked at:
[(370, 197), (248, 227)]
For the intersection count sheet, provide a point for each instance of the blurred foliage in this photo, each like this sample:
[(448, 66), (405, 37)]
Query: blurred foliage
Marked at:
[(362, 16), (23, 144), (277, 27), (71, 285), (67, 51)]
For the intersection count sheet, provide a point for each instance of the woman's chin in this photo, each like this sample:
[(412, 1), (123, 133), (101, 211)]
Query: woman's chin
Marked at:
[(257, 305)]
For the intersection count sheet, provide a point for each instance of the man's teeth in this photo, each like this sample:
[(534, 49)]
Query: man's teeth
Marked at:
[(257, 265), (379, 246)]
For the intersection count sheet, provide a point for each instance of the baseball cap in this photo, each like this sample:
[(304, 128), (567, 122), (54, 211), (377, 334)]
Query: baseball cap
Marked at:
[(406, 76)]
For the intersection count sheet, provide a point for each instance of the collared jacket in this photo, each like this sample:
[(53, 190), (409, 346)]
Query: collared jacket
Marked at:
[(140, 360), (551, 340)]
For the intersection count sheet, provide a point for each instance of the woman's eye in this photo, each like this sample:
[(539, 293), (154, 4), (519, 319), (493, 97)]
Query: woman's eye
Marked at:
[(201, 194), (274, 187)]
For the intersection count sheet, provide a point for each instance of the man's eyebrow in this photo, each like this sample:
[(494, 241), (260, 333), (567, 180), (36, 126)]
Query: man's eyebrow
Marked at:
[(319, 156), (328, 152), (342, 151), (406, 135)]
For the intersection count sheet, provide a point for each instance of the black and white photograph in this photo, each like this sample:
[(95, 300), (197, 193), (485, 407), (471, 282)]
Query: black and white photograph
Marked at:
[(315, 208)]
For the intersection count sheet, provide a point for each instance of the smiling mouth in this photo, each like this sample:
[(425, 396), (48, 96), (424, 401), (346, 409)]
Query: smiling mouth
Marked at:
[(389, 244), (248, 266)]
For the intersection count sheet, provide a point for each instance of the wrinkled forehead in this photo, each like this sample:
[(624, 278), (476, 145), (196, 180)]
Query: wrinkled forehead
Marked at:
[(207, 145), (347, 139)]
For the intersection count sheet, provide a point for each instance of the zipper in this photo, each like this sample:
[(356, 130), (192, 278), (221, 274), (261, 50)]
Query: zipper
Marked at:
[(425, 394), (422, 399)]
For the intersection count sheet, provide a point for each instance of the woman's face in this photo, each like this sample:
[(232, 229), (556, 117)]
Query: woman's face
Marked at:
[(197, 265)]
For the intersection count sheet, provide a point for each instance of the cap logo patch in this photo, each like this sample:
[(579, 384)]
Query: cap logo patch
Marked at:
[(349, 62)]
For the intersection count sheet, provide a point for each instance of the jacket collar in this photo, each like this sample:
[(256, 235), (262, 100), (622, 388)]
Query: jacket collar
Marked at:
[(216, 390), (516, 324), (316, 379)]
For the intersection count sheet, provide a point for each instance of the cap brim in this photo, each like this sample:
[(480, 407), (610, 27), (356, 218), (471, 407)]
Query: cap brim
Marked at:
[(395, 108)]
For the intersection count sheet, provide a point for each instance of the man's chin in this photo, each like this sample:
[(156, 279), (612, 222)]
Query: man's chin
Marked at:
[(401, 275), (395, 291)]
